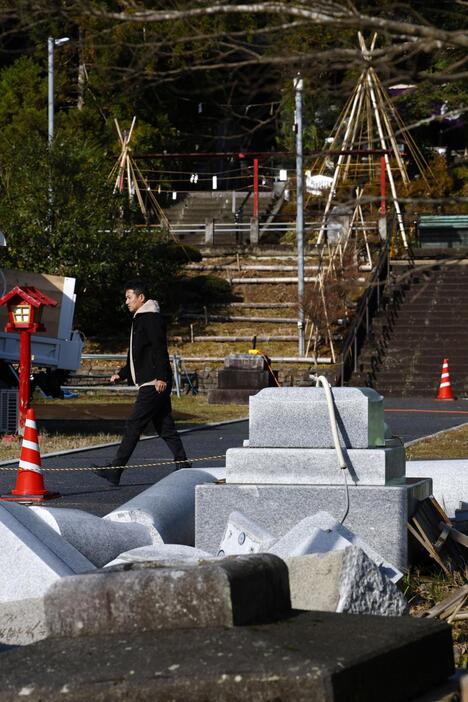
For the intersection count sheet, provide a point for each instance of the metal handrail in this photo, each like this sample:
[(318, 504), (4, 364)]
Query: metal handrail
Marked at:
[(354, 339)]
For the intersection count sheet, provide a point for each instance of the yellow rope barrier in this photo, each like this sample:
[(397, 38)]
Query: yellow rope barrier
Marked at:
[(139, 465)]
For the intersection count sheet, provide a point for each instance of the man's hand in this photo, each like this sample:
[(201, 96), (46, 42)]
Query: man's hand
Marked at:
[(115, 378), (160, 385)]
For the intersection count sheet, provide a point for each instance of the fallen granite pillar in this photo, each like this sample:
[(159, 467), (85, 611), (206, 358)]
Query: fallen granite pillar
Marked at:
[(146, 597), (343, 581), (98, 539), (32, 555), (167, 509)]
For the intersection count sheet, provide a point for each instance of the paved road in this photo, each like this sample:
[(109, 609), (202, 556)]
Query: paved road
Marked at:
[(409, 419)]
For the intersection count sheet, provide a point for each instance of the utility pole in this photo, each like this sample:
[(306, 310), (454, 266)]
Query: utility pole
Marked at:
[(298, 87)]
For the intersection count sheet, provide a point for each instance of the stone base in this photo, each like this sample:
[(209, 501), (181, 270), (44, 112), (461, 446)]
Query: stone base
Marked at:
[(238, 378), (311, 656), (378, 514), (235, 396), (277, 466)]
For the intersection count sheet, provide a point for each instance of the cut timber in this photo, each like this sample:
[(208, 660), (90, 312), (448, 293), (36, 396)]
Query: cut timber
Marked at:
[(432, 529)]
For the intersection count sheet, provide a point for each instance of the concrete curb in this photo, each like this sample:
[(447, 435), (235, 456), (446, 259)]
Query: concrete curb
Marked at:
[(201, 427), (431, 436)]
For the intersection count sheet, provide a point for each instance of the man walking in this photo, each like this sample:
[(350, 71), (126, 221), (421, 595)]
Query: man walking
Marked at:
[(148, 367)]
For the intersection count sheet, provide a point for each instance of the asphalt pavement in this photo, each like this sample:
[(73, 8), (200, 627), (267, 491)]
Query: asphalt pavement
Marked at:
[(81, 489)]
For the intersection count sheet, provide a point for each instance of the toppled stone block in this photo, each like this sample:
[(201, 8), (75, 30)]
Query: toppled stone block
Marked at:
[(299, 418), (306, 466), (243, 535), (145, 597), (320, 533), (98, 539), (167, 509), (164, 554), (32, 554), (343, 581)]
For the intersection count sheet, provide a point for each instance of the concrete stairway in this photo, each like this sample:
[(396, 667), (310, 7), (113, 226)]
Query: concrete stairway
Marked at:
[(198, 208), (424, 322)]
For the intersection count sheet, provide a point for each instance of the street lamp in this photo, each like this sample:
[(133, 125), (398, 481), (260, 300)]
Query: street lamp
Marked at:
[(51, 43)]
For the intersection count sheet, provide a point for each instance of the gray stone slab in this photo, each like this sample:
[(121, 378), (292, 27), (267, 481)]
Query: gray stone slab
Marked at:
[(307, 466), (343, 581), (164, 554), (299, 418), (449, 480), (377, 514), (167, 509), (22, 622), (311, 657), (32, 554), (243, 535), (233, 591), (321, 532), (245, 360), (100, 540)]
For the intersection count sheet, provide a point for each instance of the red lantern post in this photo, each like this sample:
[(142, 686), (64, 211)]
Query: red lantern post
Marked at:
[(25, 305)]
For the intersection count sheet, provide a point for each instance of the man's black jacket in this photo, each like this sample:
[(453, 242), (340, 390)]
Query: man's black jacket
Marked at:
[(149, 349)]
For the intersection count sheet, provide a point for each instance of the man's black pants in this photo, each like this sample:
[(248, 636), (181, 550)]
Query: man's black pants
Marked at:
[(154, 406)]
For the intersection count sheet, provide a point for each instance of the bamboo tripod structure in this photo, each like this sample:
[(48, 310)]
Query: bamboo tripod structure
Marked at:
[(367, 124), (126, 172)]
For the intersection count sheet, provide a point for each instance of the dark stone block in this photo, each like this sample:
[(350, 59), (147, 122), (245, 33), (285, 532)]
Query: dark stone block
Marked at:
[(148, 597), (308, 657), (233, 378)]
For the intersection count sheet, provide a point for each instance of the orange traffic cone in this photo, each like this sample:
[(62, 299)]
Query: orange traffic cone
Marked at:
[(30, 480), (445, 387)]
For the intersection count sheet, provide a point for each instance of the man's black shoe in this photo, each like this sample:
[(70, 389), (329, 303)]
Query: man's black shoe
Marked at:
[(183, 463), (111, 475)]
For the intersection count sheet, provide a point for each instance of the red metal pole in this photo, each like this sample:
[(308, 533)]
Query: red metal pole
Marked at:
[(382, 184), (24, 374), (255, 187)]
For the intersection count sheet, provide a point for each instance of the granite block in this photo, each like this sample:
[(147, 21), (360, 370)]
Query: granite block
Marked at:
[(319, 466), (377, 514), (320, 533), (100, 540), (167, 509), (299, 418), (343, 581), (136, 597), (243, 535), (245, 360), (32, 554), (449, 480)]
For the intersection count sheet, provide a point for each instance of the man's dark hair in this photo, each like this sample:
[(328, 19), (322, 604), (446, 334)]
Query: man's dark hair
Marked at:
[(138, 286)]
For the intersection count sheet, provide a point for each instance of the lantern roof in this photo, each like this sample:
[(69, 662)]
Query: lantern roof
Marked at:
[(30, 295)]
